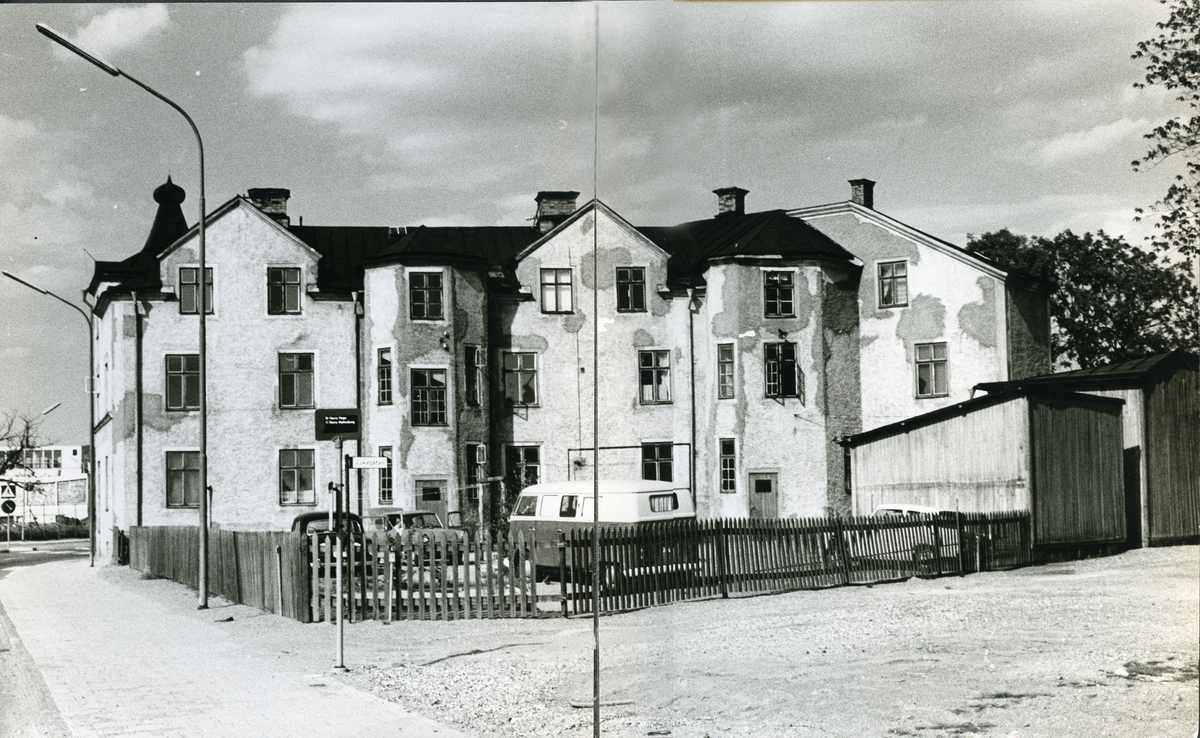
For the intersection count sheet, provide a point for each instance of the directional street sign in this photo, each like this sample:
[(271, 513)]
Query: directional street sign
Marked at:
[(369, 462)]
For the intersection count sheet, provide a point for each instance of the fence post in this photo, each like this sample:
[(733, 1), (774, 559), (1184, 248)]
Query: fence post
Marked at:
[(562, 570), (279, 579), (962, 542), (722, 553), (842, 550)]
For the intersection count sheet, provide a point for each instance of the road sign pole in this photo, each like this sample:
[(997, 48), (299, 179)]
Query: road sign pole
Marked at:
[(340, 663)]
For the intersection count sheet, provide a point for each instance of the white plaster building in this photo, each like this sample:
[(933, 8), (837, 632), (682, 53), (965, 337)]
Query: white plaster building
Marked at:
[(733, 352)]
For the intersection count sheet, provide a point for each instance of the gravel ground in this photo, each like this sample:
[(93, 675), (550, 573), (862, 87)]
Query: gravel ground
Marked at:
[(1103, 647)]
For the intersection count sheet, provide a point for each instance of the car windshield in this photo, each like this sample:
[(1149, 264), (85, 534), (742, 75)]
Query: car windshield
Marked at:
[(526, 507), (885, 512), (423, 520)]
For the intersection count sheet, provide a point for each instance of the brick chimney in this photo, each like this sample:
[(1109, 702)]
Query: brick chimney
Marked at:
[(554, 208), (731, 201), (272, 201), (862, 192)]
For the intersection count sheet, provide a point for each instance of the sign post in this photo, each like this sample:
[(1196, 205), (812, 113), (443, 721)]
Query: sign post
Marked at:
[(336, 426), (8, 493)]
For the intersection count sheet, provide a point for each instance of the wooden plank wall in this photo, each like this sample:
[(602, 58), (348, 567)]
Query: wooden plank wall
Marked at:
[(975, 462), (1173, 458), (243, 567), (1079, 486)]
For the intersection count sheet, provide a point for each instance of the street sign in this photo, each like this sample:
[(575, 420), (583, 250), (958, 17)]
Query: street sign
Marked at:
[(8, 491), (333, 424), (8, 506), (369, 462)]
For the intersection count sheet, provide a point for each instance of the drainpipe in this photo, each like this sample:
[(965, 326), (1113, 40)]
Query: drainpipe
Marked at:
[(691, 291), (137, 312), (358, 383)]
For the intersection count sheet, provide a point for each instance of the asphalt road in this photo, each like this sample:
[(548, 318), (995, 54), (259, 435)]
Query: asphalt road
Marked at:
[(26, 708)]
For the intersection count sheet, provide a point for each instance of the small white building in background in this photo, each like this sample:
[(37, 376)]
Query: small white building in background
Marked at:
[(49, 481)]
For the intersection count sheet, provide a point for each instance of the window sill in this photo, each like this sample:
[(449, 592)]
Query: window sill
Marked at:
[(656, 402), (932, 397), (298, 504), (183, 507)]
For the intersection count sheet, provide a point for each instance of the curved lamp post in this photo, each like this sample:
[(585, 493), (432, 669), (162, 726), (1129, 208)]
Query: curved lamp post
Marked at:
[(91, 409), (202, 584)]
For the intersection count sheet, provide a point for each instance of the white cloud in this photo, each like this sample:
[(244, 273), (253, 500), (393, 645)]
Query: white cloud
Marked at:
[(1096, 140), (118, 29)]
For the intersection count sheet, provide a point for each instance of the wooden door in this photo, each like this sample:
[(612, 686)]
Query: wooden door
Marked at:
[(764, 496)]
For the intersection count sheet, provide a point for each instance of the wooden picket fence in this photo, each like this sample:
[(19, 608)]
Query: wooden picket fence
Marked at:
[(267, 570), (390, 576), (680, 560)]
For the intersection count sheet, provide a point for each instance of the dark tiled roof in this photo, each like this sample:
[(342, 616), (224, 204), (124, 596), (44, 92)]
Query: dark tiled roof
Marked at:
[(343, 250), (770, 233), (485, 245), (1127, 373)]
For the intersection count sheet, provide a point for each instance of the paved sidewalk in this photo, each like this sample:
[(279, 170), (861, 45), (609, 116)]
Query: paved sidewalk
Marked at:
[(120, 663)]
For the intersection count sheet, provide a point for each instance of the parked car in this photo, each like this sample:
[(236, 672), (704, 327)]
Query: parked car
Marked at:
[(427, 522), (314, 523), (922, 547)]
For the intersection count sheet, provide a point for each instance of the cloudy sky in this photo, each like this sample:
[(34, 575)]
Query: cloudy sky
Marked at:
[(971, 116)]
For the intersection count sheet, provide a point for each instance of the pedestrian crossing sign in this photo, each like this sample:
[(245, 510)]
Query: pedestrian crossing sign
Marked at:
[(8, 491)]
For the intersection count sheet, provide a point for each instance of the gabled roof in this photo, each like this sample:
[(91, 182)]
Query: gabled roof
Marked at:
[(772, 233), (979, 261), (342, 250), (1127, 374), (973, 405)]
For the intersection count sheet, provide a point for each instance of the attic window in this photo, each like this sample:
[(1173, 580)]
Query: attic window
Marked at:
[(893, 284)]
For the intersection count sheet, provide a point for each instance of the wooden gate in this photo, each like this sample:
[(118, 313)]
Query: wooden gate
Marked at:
[(410, 576)]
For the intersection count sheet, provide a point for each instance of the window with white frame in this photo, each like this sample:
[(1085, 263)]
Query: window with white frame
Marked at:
[(631, 289), (728, 465), (893, 284), (384, 376), (283, 290), (189, 290), (428, 396), (385, 477), (725, 370), (296, 473), (779, 295), (932, 370), (183, 382), (474, 376), (520, 379), (654, 377), (296, 380), (183, 479), (783, 376), (476, 466), (556, 290), (425, 295)]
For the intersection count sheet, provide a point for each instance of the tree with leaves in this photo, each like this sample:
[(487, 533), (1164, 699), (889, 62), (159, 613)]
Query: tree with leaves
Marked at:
[(1173, 61), (1113, 301)]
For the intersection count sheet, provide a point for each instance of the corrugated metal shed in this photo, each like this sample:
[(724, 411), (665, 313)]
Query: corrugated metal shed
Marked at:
[(1055, 454)]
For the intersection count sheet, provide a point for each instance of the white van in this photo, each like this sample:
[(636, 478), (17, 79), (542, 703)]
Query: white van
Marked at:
[(546, 509)]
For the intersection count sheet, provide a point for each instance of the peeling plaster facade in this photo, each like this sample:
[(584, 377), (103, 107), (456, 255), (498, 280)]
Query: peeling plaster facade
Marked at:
[(990, 324), (856, 359)]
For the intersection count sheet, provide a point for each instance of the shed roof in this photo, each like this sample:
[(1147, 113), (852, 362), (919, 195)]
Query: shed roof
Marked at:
[(973, 405), (1125, 375)]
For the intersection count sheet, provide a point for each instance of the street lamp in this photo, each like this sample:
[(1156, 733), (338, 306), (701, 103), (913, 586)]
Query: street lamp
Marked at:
[(91, 409), (202, 585)]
